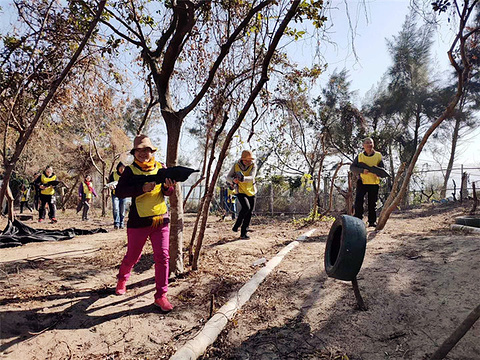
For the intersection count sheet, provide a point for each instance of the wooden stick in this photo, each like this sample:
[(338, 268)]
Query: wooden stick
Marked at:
[(475, 199), (358, 296), (459, 332)]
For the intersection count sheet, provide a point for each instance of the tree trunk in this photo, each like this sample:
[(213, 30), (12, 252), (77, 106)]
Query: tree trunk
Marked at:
[(390, 155), (70, 191), (104, 207), (349, 196), (317, 186), (464, 186), (456, 130), (174, 125), (5, 192), (10, 199)]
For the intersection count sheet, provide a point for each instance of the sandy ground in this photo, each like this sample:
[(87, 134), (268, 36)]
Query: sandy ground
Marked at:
[(419, 280)]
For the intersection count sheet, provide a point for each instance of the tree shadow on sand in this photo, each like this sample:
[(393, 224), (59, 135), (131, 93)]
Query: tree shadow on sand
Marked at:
[(21, 325)]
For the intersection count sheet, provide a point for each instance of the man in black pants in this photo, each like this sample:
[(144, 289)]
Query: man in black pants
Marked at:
[(242, 175), (368, 182)]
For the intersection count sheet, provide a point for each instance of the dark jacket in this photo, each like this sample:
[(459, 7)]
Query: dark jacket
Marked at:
[(127, 187)]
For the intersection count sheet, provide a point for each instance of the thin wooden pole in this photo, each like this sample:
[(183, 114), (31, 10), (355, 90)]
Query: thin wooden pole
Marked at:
[(358, 296), (459, 332)]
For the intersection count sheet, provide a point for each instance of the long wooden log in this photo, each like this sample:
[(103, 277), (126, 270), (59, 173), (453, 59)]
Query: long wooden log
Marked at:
[(459, 332)]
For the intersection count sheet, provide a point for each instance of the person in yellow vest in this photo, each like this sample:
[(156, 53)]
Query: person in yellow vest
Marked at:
[(231, 201), (242, 174), (148, 218), (368, 182), (118, 205), (86, 192), (47, 194), (24, 197)]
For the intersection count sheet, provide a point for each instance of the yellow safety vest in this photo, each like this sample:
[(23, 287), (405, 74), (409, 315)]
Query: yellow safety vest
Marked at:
[(151, 203), (246, 188), (230, 194), (49, 190), (374, 160), (116, 177), (86, 191), (24, 195)]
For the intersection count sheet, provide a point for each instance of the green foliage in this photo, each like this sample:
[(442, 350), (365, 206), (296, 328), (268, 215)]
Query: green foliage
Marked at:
[(311, 10), (341, 120), (312, 218), (278, 180), (408, 100), (297, 35)]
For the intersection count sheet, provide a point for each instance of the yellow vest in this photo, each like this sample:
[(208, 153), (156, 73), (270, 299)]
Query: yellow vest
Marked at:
[(374, 160), (49, 190), (116, 177), (86, 191), (151, 203), (246, 188), (24, 195), (230, 193)]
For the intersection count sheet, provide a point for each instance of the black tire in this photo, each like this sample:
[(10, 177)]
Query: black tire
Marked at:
[(345, 248), (468, 221)]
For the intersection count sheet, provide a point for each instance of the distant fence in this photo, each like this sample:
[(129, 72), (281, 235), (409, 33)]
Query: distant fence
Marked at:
[(275, 199)]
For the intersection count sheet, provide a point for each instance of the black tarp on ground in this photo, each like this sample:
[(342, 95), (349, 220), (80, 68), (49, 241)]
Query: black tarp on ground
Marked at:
[(17, 234)]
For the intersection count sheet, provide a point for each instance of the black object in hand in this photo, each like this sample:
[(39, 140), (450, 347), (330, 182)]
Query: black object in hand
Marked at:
[(381, 172), (239, 176), (175, 173), (52, 183)]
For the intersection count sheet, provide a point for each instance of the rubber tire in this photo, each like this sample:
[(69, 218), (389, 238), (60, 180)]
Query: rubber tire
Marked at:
[(345, 248), (468, 221)]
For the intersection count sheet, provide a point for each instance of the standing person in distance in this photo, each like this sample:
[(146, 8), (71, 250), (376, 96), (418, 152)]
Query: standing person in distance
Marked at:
[(118, 204), (243, 175), (368, 182), (86, 192), (148, 218), (24, 197), (47, 194)]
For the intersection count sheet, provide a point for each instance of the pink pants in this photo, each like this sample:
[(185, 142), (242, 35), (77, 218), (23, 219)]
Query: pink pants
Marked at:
[(137, 238)]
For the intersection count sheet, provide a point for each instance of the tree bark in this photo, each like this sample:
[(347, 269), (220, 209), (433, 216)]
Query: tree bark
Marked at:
[(456, 130), (174, 125)]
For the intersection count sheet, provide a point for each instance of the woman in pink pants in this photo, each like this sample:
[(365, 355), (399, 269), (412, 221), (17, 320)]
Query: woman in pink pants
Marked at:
[(148, 218)]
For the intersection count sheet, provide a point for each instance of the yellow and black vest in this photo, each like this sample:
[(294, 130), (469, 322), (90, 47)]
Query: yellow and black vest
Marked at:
[(151, 203), (247, 188), (49, 190), (86, 191), (116, 177), (374, 160), (25, 194)]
